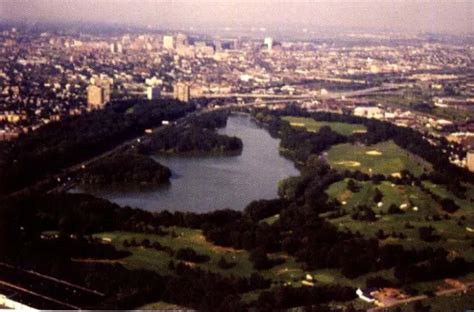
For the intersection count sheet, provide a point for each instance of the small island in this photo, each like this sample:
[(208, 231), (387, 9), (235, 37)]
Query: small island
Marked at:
[(198, 137), (194, 141), (126, 168)]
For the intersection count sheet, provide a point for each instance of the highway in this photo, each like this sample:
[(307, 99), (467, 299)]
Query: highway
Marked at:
[(330, 95)]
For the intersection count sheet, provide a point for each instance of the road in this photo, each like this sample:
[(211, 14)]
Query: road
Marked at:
[(330, 95)]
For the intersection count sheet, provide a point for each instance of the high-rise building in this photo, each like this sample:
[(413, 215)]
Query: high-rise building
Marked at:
[(218, 44), (181, 91), (470, 160), (168, 42), (96, 97), (99, 91), (268, 42), (181, 41), (116, 47), (153, 93), (237, 44), (107, 91)]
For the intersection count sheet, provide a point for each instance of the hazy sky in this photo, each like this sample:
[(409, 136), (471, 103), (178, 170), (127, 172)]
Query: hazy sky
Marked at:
[(403, 15)]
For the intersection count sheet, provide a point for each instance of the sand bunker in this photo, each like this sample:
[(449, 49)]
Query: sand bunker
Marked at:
[(396, 175), (297, 124), (373, 153), (349, 163)]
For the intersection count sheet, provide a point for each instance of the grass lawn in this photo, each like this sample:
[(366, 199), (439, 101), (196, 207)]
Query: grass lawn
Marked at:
[(453, 236), (290, 272), (465, 204), (313, 126), (143, 258), (392, 194), (383, 158)]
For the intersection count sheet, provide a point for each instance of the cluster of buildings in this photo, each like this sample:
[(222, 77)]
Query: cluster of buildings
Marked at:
[(385, 297), (47, 76)]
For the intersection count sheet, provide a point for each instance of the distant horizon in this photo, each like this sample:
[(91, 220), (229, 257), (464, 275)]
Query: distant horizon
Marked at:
[(408, 17)]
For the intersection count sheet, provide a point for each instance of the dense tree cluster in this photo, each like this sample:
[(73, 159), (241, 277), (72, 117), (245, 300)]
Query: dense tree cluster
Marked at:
[(197, 136), (287, 297), (211, 120), (300, 143), (434, 268), (75, 139), (126, 168), (190, 255), (224, 264), (190, 140)]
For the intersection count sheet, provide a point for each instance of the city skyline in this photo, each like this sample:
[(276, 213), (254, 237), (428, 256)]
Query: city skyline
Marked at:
[(397, 16)]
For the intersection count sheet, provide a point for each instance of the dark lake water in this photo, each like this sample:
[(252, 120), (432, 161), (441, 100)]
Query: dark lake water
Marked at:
[(202, 184)]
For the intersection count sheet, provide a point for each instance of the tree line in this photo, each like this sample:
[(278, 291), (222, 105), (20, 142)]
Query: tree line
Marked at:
[(77, 138)]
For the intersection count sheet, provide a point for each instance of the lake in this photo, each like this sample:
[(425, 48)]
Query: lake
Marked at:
[(202, 184)]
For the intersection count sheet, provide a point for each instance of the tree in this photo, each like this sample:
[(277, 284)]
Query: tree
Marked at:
[(378, 195), (352, 186), (448, 205), (259, 258), (188, 254), (419, 307), (428, 234), (394, 209), (224, 264), (363, 213)]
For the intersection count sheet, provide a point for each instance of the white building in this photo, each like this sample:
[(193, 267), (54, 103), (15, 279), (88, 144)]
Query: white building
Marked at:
[(369, 112), (116, 48), (168, 42), (268, 42)]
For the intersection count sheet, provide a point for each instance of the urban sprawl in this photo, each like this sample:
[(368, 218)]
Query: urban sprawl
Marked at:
[(414, 82)]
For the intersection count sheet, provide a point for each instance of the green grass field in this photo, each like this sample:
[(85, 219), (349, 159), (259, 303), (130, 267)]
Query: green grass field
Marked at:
[(143, 258), (466, 204), (420, 208), (384, 158), (290, 272), (398, 195), (314, 126)]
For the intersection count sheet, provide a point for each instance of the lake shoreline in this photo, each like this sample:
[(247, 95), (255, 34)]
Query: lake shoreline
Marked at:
[(203, 183)]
